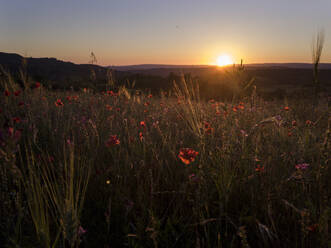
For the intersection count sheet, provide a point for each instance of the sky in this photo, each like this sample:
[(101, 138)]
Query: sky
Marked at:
[(126, 32)]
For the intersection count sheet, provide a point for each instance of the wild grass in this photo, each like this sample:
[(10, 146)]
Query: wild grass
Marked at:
[(83, 169)]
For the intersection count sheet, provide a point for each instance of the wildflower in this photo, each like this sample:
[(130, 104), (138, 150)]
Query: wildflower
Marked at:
[(259, 168), (81, 231), (241, 106), (59, 103), (108, 182), (150, 96), (309, 122), (147, 104), (302, 166), (17, 92), (16, 120), (143, 124), (21, 104), (109, 107), (294, 123), (141, 136), (208, 128), (244, 133), (234, 109), (7, 93), (68, 98), (37, 85), (193, 178), (286, 108), (113, 140), (312, 228), (187, 155)]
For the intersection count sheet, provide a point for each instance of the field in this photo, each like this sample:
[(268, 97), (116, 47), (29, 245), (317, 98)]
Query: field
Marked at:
[(126, 168)]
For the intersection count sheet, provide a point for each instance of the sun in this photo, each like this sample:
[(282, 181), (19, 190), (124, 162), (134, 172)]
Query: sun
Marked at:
[(224, 60)]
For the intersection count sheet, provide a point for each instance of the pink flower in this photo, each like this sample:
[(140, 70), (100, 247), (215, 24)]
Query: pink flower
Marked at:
[(302, 166), (81, 231)]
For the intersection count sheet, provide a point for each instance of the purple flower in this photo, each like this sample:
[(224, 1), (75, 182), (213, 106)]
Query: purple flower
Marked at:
[(302, 166), (81, 231)]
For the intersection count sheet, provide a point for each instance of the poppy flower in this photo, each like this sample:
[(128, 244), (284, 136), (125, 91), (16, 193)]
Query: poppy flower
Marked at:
[(143, 124), (37, 85), (16, 120), (309, 123), (112, 141), (286, 108), (187, 155), (109, 107), (259, 168), (312, 228), (7, 93), (58, 103), (17, 92), (141, 136), (208, 128), (241, 106)]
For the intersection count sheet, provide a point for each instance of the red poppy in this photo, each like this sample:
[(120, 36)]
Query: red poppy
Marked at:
[(294, 123), (141, 136), (59, 103), (37, 85), (7, 93), (286, 108), (241, 106), (312, 228), (112, 141), (208, 128), (259, 168), (16, 120), (143, 124), (17, 92), (150, 96), (109, 107), (187, 155)]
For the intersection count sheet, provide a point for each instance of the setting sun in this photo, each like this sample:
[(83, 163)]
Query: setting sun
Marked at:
[(224, 60)]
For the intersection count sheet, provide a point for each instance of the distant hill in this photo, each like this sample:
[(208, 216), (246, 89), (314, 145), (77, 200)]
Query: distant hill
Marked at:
[(57, 73), (214, 81)]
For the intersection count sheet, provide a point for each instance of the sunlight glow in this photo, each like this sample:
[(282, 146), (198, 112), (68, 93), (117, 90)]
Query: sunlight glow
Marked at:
[(224, 60)]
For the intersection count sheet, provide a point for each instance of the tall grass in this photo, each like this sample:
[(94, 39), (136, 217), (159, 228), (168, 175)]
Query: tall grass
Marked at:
[(110, 169)]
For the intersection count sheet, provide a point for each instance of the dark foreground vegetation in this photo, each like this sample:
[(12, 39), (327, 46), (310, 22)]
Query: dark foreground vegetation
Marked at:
[(124, 168)]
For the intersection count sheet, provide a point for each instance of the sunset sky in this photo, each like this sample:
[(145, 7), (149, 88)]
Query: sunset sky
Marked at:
[(123, 32)]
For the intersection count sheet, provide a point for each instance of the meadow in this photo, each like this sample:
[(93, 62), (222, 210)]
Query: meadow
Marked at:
[(125, 168)]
